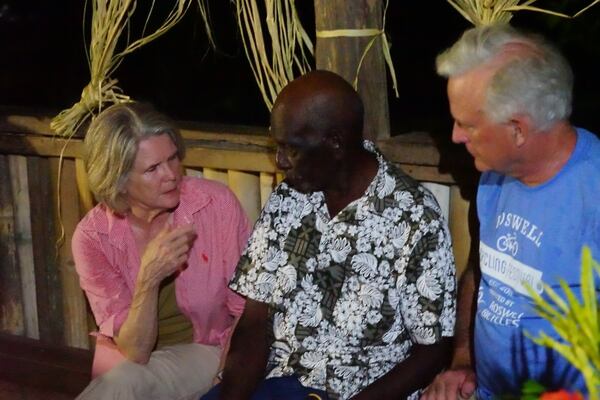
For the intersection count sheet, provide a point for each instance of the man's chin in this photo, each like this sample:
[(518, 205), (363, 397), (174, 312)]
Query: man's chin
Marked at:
[(481, 167), (299, 186)]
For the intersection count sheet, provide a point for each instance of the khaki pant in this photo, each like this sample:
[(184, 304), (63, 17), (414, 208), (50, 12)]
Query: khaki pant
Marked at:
[(179, 372)]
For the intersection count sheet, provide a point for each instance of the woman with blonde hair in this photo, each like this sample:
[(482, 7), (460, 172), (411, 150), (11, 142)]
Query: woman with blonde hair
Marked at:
[(154, 258)]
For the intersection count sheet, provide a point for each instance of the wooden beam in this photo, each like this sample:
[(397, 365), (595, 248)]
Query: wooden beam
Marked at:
[(421, 155), (343, 54), (44, 365)]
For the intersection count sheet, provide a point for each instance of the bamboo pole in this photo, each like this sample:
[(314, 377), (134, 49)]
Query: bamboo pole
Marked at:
[(24, 244)]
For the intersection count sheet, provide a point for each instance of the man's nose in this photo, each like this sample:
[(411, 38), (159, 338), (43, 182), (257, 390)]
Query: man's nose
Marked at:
[(282, 160), (459, 135)]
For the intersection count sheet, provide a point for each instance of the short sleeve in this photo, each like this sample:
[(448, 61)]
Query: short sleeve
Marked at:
[(257, 275), (428, 288)]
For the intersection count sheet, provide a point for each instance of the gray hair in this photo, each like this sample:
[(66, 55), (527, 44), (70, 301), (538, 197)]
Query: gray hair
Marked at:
[(111, 145), (537, 81)]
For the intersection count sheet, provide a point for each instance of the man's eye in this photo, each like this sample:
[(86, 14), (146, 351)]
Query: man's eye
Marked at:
[(292, 152)]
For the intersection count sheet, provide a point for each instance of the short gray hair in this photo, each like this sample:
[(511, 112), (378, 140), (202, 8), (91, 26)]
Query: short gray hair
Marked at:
[(538, 81), (111, 145)]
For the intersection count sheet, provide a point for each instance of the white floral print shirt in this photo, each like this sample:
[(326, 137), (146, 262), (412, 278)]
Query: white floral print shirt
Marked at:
[(350, 295)]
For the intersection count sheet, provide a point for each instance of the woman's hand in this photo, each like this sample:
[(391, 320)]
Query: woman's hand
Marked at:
[(165, 254)]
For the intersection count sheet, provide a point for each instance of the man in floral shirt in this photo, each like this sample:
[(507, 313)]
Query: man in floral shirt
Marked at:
[(349, 274)]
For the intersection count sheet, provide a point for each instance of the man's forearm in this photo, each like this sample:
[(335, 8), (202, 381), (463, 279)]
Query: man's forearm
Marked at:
[(248, 353), (414, 373), (464, 320)]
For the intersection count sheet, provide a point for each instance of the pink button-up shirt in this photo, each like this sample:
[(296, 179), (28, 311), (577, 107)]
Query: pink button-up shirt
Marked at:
[(107, 261)]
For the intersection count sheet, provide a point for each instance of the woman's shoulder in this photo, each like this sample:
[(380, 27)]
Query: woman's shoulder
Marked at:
[(97, 222), (205, 189)]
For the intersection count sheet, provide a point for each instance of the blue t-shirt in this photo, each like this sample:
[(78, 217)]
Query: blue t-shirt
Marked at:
[(532, 234)]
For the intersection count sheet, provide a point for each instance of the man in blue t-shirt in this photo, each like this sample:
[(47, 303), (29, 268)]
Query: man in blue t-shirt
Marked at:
[(538, 204)]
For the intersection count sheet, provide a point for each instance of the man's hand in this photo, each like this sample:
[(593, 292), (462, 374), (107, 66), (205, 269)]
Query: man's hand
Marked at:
[(454, 384)]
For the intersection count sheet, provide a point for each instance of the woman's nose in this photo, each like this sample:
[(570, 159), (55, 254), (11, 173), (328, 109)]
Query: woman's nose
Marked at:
[(170, 172)]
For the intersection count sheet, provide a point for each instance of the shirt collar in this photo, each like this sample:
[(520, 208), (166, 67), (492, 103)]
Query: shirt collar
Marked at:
[(192, 200)]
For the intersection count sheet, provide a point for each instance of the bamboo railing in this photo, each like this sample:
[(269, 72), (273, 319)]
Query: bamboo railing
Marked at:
[(40, 296)]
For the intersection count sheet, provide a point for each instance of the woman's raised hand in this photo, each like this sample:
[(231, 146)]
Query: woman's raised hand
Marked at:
[(166, 253)]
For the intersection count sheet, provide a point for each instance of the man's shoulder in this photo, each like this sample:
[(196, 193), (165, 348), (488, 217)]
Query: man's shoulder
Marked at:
[(403, 181)]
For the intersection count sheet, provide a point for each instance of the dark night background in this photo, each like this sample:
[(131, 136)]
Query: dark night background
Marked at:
[(43, 65)]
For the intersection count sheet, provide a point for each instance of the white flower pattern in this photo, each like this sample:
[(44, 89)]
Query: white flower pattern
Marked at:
[(351, 294)]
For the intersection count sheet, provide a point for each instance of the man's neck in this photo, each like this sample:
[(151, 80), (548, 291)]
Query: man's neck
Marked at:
[(546, 154), (353, 178)]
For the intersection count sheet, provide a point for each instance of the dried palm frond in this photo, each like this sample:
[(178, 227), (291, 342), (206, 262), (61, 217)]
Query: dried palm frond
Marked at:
[(274, 62), (205, 14), (109, 19), (487, 12)]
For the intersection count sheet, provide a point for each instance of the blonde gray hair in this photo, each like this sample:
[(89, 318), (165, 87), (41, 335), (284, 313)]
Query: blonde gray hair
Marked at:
[(537, 81), (111, 145)]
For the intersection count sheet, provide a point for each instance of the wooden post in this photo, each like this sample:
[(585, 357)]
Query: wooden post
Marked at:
[(342, 55)]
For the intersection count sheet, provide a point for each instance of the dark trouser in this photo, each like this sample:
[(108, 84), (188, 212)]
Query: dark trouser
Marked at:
[(283, 388)]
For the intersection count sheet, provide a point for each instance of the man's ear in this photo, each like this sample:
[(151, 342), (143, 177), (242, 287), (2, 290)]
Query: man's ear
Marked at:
[(334, 141), (521, 126)]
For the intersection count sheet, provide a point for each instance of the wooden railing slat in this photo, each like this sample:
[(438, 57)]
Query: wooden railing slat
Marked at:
[(74, 305), (246, 186), (43, 233), (24, 244), (216, 175), (11, 302)]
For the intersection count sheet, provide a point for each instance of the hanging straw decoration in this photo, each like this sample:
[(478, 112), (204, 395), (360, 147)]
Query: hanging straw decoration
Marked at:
[(374, 34), (488, 12), (109, 19), (289, 45)]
